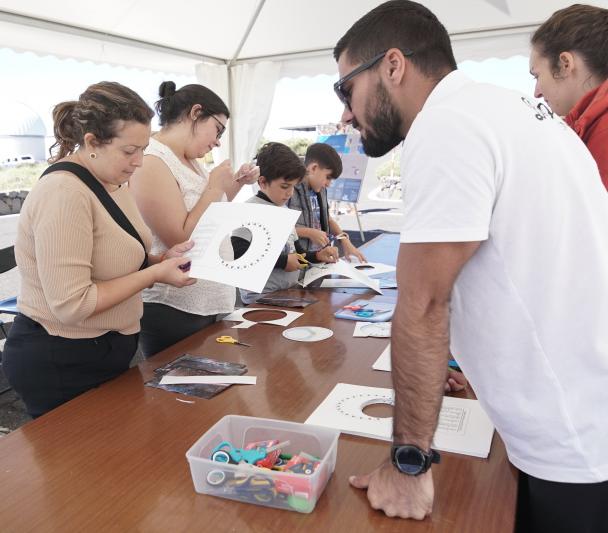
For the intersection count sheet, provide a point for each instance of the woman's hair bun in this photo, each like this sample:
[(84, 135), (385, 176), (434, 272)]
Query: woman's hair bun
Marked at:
[(166, 89)]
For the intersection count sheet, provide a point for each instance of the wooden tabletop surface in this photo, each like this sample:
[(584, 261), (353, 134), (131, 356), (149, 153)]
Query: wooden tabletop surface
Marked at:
[(113, 459)]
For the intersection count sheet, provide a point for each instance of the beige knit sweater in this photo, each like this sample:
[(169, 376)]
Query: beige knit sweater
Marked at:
[(66, 241)]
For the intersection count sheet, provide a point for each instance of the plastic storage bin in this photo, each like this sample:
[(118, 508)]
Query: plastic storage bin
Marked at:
[(262, 486)]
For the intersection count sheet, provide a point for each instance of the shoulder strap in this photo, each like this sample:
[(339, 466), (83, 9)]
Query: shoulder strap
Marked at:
[(103, 196)]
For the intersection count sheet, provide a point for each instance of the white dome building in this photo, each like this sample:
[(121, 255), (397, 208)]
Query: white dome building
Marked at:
[(22, 134)]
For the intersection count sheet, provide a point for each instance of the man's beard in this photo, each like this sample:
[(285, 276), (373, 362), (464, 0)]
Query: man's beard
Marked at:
[(383, 133)]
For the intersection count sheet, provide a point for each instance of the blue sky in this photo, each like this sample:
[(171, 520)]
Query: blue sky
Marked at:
[(42, 81)]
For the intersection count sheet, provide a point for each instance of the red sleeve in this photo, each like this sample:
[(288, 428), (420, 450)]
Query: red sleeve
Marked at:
[(598, 146)]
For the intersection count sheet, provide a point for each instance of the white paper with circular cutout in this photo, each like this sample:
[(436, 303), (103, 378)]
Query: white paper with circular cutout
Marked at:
[(270, 227), (341, 268), (244, 323), (373, 269), (463, 426), (308, 334)]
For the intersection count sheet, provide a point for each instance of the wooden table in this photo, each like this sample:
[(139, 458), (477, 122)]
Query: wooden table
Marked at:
[(113, 458)]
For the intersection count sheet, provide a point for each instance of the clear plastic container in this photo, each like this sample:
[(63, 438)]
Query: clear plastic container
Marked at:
[(262, 486)]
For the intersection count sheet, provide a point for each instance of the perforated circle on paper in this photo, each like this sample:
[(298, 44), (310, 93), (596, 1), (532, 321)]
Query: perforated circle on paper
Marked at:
[(352, 406), (260, 233)]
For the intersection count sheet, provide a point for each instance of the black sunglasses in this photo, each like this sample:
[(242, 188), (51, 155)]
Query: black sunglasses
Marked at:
[(343, 94), (222, 127)]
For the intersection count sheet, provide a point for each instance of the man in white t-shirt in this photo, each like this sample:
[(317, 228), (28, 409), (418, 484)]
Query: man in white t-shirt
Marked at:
[(503, 259)]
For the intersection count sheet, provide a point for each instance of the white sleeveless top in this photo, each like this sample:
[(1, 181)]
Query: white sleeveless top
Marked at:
[(204, 297)]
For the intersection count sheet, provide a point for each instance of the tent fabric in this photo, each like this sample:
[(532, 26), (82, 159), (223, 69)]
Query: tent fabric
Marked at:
[(238, 47), (215, 31), (249, 95)]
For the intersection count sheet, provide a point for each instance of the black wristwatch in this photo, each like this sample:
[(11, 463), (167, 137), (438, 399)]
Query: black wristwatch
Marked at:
[(411, 460)]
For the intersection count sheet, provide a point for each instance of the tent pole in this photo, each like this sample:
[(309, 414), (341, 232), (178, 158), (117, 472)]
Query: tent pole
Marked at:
[(231, 152), (252, 21)]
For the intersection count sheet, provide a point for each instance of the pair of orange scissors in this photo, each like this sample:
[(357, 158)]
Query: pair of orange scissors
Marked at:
[(227, 339), (304, 263)]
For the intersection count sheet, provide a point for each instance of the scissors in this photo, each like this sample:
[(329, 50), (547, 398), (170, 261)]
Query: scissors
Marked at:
[(227, 339), (304, 263), (351, 307), (365, 313)]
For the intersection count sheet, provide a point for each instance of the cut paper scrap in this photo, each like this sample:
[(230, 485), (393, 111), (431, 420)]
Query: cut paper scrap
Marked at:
[(209, 380), (308, 334), (384, 361), (463, 426), (244, 323), (372, 329), (270, 228), (373, 269), (341, 268)]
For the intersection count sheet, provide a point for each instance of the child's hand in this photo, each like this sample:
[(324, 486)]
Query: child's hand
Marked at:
[(221, 177), (350, 249), (292, 263), (328, 255), (318, 237)]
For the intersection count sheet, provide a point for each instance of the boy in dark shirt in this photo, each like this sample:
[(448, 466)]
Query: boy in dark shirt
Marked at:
[(280, 172)]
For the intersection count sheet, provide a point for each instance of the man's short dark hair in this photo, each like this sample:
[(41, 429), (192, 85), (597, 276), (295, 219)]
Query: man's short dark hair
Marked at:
[(326, 157), (277, 160), (405, 25)]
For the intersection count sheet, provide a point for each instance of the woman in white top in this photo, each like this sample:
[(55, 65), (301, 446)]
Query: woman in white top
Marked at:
[(172, 192)]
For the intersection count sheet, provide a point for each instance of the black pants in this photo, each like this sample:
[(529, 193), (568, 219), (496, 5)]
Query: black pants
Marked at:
[(551, 507), (47, 371), (163, 326)]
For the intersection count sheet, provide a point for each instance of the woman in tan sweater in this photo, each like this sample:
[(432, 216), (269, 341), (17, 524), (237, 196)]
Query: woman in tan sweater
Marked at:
[(82, 272)]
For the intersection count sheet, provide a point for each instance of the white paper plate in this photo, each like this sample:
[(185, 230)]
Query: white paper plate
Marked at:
[(307, 334)]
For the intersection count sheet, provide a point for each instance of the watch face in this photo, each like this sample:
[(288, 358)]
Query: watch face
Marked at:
[(409, 460)]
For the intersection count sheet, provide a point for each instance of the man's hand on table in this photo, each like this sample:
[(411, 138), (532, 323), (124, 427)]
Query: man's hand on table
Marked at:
[(397, 494)]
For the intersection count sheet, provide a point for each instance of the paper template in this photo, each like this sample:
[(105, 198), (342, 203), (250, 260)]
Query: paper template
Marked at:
[(384, 361), (237, 316), (270, 228), (372, 329), (341, 268), (463, 426), (209, 380)]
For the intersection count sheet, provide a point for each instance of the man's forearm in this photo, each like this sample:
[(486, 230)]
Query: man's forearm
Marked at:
[(419, 351)]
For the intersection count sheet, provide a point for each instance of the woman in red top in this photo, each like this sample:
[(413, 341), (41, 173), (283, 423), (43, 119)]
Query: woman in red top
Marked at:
[(569, 61)]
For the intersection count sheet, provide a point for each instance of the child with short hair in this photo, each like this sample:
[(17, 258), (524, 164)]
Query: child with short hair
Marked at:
[(280, 172), (315, 225)]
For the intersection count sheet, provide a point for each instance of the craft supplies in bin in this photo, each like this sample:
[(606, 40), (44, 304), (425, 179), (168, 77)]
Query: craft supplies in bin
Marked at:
[(303, 459)]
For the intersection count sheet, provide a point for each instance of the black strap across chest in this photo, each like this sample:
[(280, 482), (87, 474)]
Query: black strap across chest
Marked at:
[(103, 196)]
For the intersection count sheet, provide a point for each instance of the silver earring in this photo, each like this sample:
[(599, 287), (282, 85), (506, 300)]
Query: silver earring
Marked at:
[(93, 155)]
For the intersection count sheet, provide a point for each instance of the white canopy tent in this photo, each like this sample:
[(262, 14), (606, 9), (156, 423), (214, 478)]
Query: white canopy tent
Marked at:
[(241, 48)]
